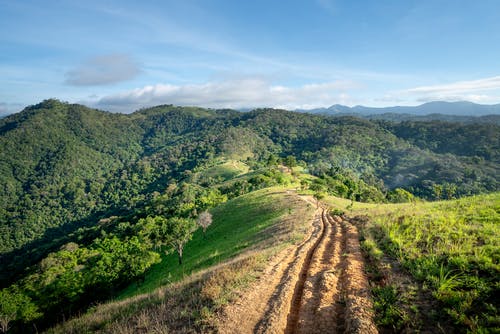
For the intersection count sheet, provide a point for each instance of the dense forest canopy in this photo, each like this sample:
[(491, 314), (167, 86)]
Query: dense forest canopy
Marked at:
[(63, 164)]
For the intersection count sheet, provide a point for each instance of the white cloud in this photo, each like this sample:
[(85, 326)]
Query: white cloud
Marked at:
[(103, 70), (476, 98), (472, 90), (235, 93)]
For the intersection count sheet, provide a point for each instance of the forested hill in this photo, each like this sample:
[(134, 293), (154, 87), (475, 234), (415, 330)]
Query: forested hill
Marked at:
[(64, 165)]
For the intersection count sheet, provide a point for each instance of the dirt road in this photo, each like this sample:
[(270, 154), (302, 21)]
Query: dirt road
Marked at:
[(316, 287)]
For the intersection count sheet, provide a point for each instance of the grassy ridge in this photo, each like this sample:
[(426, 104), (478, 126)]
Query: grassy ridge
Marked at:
[(450, 247), (453, 247), (237, 225), (255, 225)]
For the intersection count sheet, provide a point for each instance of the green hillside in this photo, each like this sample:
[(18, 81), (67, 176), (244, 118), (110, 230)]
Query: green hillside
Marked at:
[(456, 276), (239, 225), (63, 166), (248, 229), (221, 172), (90, 201)]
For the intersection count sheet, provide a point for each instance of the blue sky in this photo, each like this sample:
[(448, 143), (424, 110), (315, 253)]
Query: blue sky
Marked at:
[(123, 55)]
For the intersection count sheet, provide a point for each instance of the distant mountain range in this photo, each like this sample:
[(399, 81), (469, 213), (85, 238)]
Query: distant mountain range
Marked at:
[(462, 108)]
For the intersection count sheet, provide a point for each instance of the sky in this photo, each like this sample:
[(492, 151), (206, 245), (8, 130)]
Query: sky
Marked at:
[(124, 55)]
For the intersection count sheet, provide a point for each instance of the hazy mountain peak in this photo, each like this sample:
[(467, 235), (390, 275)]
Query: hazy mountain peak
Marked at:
[(458, 108)]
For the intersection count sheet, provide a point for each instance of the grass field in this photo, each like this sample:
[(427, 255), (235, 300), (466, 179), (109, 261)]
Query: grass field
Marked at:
[(452, 247), (223, 171)]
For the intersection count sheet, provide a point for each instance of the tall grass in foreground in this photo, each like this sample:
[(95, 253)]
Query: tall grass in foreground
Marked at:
[(453, 247)]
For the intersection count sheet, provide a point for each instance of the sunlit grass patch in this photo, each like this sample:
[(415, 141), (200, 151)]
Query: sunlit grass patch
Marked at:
[(453, 247)]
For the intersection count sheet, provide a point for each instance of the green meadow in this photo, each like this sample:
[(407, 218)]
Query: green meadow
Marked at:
[(451, 247)]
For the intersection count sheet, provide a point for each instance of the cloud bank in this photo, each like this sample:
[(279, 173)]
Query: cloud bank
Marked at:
[(103, 70), (237, 94), (479, 91)]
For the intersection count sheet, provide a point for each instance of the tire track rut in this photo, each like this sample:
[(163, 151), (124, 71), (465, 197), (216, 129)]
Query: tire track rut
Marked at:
[(265, 308), (298, 296), (333, 289)]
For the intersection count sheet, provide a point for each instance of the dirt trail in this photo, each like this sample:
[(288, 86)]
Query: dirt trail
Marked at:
[(318, 288), (304, 287), (264, 308)]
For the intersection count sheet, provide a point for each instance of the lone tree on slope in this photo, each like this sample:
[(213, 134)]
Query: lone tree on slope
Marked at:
[(205, 220), (181, 231)]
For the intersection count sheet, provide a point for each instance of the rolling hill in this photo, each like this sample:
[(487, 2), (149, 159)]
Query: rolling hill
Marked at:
[(440, 280)]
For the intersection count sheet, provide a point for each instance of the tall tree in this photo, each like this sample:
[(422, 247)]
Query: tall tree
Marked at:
[(181, 231), (15, 306), (290, 161)]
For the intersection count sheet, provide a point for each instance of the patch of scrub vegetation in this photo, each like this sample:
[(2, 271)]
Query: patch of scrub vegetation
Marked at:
[(238, 225), (401, 304), (452, 247)]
